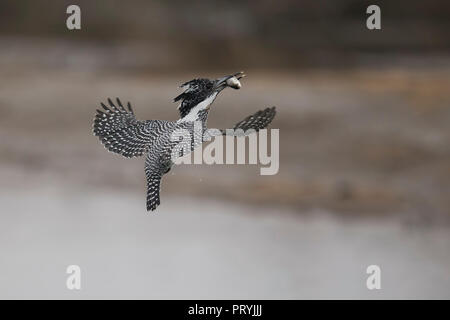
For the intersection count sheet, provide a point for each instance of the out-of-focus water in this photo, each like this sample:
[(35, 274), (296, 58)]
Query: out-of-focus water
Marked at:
[(206, 249), (364, 179)]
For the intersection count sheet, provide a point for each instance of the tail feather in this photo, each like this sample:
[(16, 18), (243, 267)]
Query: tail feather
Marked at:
[(153, 189)]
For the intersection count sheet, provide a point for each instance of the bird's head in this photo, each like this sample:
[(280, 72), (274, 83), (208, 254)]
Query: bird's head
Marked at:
[(198, 94)]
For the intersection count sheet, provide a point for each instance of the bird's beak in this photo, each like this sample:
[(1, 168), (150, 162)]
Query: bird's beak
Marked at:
[(223, 82), (239, 75)]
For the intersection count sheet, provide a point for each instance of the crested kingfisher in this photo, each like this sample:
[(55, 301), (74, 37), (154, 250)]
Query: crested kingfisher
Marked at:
[(119, 131)]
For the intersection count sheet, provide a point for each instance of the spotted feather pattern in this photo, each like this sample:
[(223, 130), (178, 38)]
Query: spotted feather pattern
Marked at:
[(153, 190), (120, 131), (257, 121), (159, 157)]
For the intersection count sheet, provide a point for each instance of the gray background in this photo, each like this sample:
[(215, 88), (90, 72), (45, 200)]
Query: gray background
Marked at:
[(364, 151)]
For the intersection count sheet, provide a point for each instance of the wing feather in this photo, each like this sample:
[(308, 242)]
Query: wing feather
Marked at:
[(120, 131), (255, 122)]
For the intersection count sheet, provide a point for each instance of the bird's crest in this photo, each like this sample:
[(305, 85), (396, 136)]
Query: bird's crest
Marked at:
[(195, 91)]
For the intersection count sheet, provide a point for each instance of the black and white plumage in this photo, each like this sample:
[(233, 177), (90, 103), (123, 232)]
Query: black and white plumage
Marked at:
[(119, 131)]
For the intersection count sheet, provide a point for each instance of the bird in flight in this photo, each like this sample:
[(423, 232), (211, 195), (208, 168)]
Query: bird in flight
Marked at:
[(119, 131)]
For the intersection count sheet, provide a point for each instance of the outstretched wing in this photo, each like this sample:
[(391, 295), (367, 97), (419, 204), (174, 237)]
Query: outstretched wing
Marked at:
[(120, 131), (257, 121)]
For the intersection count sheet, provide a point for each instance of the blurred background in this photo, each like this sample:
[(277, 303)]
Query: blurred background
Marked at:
[(364, 151)]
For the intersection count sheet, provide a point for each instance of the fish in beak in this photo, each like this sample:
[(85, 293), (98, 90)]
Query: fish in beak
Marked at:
[(231, 81)]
